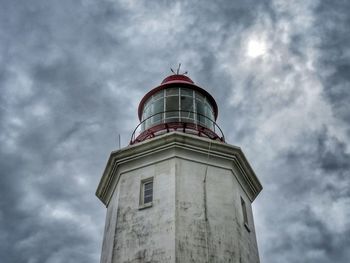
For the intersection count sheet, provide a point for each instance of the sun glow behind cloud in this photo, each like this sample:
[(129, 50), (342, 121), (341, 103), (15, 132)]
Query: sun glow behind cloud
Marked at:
[(278, 70), (256, 48)]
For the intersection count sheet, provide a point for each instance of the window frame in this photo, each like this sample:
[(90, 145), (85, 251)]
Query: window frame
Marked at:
[(143, 184), (245, 214)]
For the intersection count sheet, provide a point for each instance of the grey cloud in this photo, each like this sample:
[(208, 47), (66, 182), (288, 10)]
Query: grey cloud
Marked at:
[(332, 154), (71, 77), (307, 237), (333, 27)]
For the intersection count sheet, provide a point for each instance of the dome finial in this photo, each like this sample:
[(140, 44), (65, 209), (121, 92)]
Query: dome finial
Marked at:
[(178, 71)]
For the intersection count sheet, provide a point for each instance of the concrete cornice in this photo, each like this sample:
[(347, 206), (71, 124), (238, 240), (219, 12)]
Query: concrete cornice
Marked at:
[(173, 141)]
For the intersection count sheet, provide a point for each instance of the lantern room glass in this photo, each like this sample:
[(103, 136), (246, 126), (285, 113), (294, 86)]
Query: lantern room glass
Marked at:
[(177, 104)]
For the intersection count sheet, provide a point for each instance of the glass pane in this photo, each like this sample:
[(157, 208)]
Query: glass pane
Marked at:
[(200, 112), (148, 123), (244, 210), (172, 108), (146, 108), (148, 192), (145, 116), (210, 115), (187, 107), (149, 195), (186, 92), (200, 96), (158, 108), (157, 119), (172, 92), (148, 199), (209, 120), (148, 186), (158, 95), (172, 103), (186, 103), (209, 110), (146, 113), (147, 103)]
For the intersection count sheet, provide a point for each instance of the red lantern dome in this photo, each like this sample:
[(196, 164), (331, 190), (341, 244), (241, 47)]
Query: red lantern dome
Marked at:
[(177, 105)]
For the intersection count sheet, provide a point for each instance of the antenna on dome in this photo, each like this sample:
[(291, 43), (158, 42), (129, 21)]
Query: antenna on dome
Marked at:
[(178, 71)]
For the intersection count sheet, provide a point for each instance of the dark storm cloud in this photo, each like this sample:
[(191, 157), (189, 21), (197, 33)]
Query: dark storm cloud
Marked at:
[(310, 216), (307, 236), (72, 74), (334, 27), (332, 154), (295, 130), (54, 101)]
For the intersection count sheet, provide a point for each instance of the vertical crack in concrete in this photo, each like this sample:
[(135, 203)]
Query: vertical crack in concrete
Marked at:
[(205, 195)]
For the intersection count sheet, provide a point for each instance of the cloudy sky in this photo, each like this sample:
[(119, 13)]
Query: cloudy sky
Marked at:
[(73, 72)]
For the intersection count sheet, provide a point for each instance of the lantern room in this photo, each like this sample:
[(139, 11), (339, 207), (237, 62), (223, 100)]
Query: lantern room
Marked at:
[(177, 105)]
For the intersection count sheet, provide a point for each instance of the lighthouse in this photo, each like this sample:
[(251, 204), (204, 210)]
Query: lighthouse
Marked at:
[(178, 192)]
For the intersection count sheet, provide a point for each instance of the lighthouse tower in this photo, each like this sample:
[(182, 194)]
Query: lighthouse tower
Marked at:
[(178, 192)]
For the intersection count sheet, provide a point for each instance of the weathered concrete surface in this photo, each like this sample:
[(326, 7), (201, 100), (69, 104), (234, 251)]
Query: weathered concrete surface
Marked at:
[(145, 235), (196, 214), (209, 219)]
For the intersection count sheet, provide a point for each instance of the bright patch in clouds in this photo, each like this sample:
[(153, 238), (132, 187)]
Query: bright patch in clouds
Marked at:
[(256, 48), (278, 70)]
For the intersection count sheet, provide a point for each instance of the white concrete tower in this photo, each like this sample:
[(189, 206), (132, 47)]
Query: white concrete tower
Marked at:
[(178, 192)]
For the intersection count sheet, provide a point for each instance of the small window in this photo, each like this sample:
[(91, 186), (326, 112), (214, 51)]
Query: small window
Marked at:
[(245, 216), (146, 193)]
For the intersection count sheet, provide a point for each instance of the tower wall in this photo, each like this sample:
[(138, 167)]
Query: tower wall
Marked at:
[(209, 219), (196, 214), (141, 235)]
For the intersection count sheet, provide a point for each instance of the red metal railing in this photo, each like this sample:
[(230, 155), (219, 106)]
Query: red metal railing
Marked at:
[(186, 125)]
